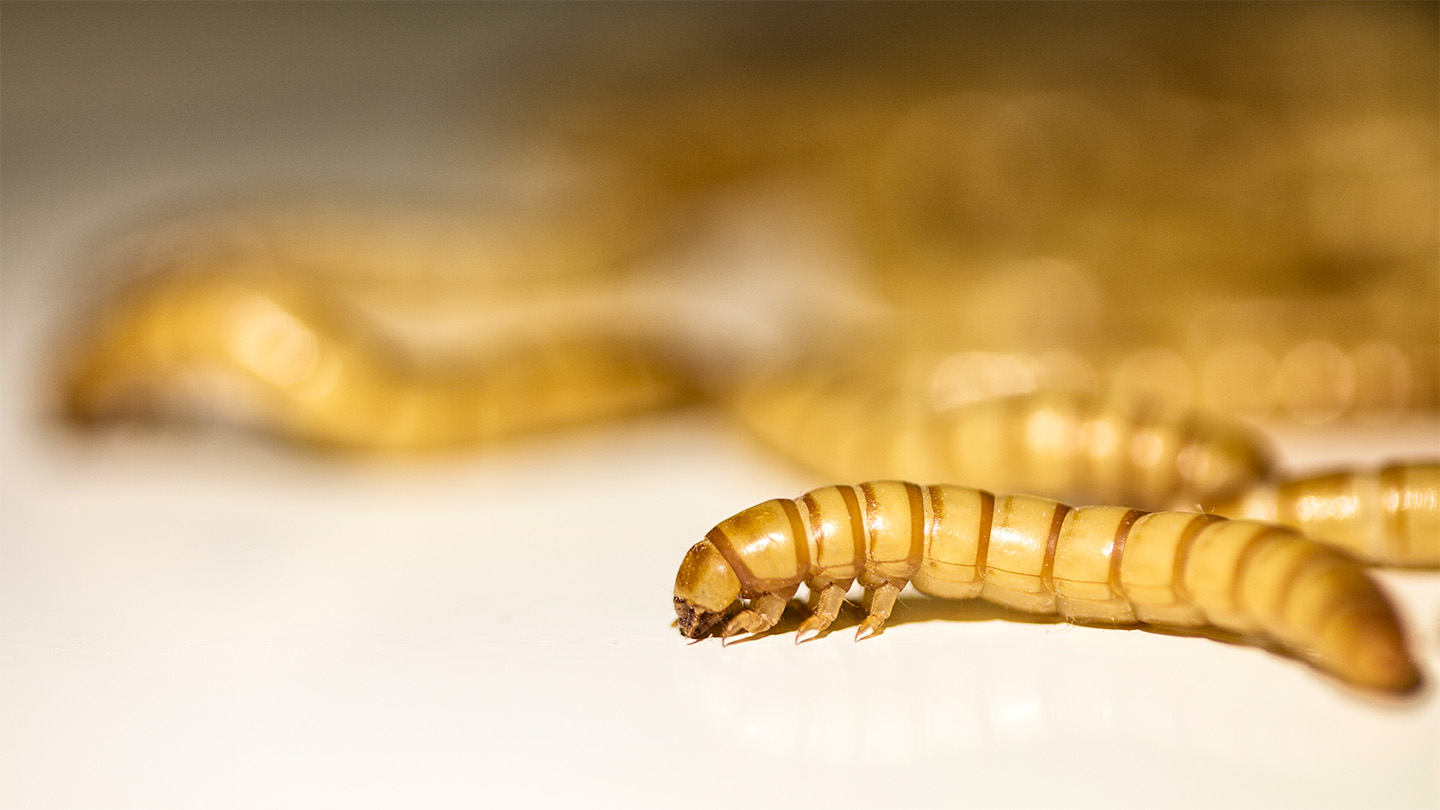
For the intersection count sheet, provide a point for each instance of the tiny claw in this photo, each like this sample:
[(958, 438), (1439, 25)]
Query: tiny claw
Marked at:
[(868, 628), (812, 627)]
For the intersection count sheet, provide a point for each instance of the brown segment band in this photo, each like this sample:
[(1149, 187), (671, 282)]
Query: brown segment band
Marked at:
[(1047, 565), (917, 526), (721, 541), (982, 542), (857, 524), (812, 509), (871, 506), (1182, 554), (799, 537), (937, 514), (1117, 551)]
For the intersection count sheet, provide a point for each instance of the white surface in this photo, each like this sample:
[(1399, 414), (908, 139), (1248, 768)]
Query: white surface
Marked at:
[(210, 621)]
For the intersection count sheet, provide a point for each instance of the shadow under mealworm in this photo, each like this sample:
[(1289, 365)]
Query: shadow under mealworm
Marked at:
[(919, 608)]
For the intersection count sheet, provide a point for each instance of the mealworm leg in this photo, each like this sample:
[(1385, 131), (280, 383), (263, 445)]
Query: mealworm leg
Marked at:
[(878, 603), (824, 607), (764, 613)]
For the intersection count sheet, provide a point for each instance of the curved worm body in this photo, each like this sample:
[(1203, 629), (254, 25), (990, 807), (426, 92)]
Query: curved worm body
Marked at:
[(1091, 564), (277, 356), (1385, 517)]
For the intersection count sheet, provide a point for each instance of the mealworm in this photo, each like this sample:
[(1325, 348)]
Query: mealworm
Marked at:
[(293, 363), (1385, 517), (1101, 564), (1057, 444)]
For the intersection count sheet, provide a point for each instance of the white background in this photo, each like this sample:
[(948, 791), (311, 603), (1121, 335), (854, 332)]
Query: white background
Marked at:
[(196, 620)]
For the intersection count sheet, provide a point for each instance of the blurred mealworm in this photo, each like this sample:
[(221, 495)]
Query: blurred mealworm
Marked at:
[(1102, 564), (284, 358), (1058, 444), (1385, 517)]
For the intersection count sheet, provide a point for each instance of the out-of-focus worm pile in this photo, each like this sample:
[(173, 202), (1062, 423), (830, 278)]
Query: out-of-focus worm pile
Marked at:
[(1063, 250)]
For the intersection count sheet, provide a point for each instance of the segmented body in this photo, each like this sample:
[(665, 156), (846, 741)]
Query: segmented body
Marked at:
[(1089, 449), (1092, 564), (1057, 444), (1386, 517)]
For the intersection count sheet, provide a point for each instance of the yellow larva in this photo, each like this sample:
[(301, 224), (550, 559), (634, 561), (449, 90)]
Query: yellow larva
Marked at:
[(1102, 564), (292, 363), (1385, 517), (1058, 444)]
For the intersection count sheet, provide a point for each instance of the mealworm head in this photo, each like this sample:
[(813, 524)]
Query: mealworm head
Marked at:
[(705, 588), (696, 622)]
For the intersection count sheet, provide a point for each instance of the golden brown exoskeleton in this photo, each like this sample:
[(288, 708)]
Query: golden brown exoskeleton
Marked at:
[(1101, 564), (1385, 517)]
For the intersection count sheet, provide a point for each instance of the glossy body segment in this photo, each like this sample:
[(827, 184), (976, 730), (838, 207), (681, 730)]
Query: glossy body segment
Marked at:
[(1386, 517), (894, 518), (1150, 570), (1023, 541), (1092, 564), (767, 545), (1086, 576), (957, 545)]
